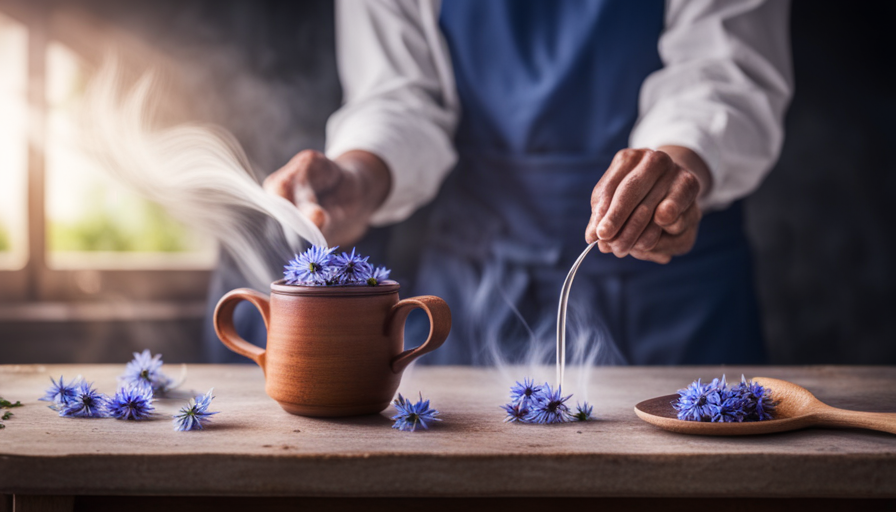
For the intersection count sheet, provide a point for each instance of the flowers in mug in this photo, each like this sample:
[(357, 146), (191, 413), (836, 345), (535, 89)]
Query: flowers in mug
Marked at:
[(319, 266)]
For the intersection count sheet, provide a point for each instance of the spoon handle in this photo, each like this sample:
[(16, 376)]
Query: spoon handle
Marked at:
[(882, 421)]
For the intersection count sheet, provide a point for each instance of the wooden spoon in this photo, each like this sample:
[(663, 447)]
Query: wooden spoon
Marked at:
[(797, 408)]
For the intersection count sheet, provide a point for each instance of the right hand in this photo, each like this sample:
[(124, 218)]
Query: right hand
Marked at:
[(338, 196)]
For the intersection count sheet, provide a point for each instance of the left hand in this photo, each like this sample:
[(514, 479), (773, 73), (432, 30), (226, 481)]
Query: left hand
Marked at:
[(645, 205)]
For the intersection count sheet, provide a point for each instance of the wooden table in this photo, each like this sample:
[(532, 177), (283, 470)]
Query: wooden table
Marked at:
[(256, 451)]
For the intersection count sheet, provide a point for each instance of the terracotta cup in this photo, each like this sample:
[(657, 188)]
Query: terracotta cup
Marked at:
[(332, 350)]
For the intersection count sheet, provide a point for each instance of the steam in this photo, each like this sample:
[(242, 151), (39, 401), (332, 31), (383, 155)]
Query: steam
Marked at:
[(198, 173), (520, 344)]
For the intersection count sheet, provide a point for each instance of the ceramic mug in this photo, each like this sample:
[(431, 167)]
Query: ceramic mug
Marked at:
[(332, 350)]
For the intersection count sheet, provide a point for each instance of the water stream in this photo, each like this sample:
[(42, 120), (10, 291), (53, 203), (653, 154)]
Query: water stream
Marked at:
[(561, 314)]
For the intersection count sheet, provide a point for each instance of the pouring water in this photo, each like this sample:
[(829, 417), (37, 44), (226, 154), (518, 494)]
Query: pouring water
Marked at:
[(561, 314)]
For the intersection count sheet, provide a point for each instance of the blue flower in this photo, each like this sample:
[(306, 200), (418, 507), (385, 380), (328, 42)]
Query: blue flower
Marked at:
[(311, 268), (524, 393), (410, 415), (59, 393), (378, 276), (549, 407), (350, 269), (583, 411), (131, 403), (86, 403), (756, 401), (516, 412), (195, 413), (695, 402), (145, 370)]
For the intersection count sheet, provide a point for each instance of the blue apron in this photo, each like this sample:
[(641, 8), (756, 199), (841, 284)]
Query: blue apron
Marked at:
[(549, 93)]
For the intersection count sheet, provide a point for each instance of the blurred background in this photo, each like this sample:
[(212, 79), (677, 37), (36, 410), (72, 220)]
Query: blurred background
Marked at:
[(90, 272)]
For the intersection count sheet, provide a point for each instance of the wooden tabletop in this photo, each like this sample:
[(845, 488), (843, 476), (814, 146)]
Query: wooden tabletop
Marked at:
[(254, 448)]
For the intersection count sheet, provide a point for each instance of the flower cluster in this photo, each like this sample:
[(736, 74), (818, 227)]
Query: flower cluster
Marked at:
[(145, 370), (531, 403), (133, 400), (319, 266), (410, 415), (719, 403)]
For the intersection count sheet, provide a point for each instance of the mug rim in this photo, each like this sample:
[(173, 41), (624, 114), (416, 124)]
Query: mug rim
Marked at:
[(386, 287)]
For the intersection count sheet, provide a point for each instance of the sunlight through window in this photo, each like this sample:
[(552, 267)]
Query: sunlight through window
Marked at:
[(13, 143), (93, 222)]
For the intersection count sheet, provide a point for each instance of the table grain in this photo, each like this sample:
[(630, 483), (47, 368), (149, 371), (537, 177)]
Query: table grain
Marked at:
[(254, 448)]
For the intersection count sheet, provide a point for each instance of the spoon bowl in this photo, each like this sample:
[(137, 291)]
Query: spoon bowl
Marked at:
[(796, 409)]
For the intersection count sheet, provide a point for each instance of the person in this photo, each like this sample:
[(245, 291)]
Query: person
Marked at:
[(526, 123)]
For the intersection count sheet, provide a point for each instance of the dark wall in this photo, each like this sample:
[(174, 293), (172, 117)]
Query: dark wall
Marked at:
[(822, 224)]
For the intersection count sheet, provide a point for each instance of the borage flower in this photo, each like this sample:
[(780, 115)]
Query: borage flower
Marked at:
[(86, 403), (524, 393), (549, 407), (515, 412), (311, 267), (378, 276), (756, 399), (145, 370), (59, 393), (583, 411), (193, 415), (410, 415), (350, 269), (131, 403), (695, 402)]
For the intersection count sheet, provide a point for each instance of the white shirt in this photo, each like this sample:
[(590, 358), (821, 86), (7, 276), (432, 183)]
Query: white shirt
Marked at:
[(722, 92)]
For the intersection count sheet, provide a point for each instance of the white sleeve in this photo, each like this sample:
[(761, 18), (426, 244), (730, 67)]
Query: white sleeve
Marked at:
[(400, 101), (723, 90)]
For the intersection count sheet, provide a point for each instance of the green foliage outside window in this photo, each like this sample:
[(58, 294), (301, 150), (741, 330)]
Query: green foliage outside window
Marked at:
[(144, 227), (4, 239)]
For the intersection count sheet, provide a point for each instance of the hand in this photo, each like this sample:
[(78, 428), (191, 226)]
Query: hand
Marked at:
[(645, 204), (338, 196)]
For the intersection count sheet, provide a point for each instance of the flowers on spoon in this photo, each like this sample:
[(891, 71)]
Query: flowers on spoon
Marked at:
[(719, 403), (319, 266)]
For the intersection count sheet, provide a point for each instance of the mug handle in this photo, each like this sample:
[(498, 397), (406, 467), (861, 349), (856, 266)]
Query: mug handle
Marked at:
[(439, 326), (225, 330)]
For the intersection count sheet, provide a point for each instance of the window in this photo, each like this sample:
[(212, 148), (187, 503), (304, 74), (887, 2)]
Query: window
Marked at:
[(13, 143), (67, 232)]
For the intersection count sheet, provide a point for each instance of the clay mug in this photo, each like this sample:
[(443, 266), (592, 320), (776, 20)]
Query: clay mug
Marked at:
[(332, 350)]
